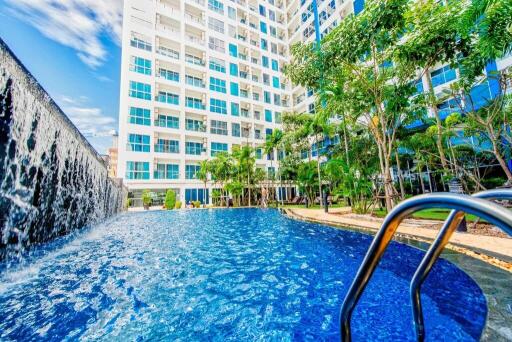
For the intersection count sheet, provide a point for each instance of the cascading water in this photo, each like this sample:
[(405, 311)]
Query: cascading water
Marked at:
[(51, 180)]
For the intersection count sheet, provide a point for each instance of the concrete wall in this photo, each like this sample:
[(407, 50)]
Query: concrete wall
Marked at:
[(51, 179)]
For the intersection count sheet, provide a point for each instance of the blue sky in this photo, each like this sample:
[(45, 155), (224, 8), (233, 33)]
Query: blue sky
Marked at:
[(72, 47)]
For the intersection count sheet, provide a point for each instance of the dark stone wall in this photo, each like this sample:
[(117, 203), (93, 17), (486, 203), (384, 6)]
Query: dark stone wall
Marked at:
[(51, 179)]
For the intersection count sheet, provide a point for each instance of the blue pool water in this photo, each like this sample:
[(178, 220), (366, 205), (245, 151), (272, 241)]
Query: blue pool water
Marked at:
[(225, 275)]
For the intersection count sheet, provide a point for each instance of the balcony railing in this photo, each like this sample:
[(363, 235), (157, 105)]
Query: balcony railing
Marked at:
[(166, 148)]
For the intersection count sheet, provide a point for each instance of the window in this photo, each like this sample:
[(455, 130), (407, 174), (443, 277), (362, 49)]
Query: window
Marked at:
[(219, 127), (169, 75), (268, 115), (167, 146), (264, 61), (192, 102), (194, 125), (442, 75), (275, 82), (216, 6), (216, 25), (235, 129), (233, 69), (263, 27), (217, 65), (194, 81), (140, 90), (168, 52), (170, 98), (258, 153), (216, 44), (193, 148), (419, 86), (218, 106), (266, 96), (235, 109), (263, 11), (167, 171), (272, 15), (217, 84), (139, 116), (447, 107), (232, 13), (193, 59), (275, 65), (233, 50), (278, 118), (264, 44), (140, 65), (234, 88), (218, 147), (273, 31), (140, 43), (137, 170), (277, 99), (167, 121), (191, 171), (266, 79), (138, 143)]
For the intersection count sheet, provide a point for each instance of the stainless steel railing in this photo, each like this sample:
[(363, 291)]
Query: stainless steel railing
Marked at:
[(433, 253), (460, 204)]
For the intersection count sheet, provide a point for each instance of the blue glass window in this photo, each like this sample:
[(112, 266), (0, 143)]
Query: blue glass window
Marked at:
[(139, 116), (217, 65), (234, 89), (218, 106), (167, 171), (140, 90), (268, 115), (235, 109), (218, 147), (442, 75), (217, 84), (194, 125), (233, 50), (275, 82), (266, 97), (263, 11), (169, 75), (138, 143), (263, 27), (216, 6), (167, 121), (170, 98), (192, 102), (264, 44), (275, 65), (233, 69), (193, 148), (218, 127), (235, 129), (137, 170), (167, 146), (264, 61), (191, 171), (140, 65)]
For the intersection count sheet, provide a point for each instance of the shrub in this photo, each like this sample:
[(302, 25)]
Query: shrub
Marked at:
[(196, 204), (146, 198), (178, 205), (170, 199)]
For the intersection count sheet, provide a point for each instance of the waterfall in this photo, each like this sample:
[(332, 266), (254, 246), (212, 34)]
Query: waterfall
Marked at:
[(51, 179)]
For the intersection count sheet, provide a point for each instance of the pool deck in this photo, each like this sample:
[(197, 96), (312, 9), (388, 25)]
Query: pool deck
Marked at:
[(494, 250)]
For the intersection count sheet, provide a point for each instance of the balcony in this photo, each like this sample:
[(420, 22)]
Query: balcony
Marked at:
[(194, 19), (166, 146)]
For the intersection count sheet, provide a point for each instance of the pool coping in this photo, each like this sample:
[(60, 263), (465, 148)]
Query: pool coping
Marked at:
[(494, 259), (497, 314)]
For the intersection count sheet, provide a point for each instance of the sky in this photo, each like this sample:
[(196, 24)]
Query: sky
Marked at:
[(72, 47)]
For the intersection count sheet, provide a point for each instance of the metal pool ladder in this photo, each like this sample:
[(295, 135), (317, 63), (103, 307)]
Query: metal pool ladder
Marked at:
[(478, 205)]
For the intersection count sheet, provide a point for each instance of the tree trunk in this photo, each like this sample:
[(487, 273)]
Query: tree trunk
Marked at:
[(498, 156), (433, 108), (400, 177), (318, 170), (386, 177)]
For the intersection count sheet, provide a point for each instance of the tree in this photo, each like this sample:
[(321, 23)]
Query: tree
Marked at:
[(359, 56), (170, 199), (307, 179), (221, 168), (271, 144), (202, 175), (147, 199)]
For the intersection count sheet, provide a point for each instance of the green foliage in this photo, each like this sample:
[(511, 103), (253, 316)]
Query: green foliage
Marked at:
[(178, 205), (147, 198), (170, 199), (196, 204), (307, 179)]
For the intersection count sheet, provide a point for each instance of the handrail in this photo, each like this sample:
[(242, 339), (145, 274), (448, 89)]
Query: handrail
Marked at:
[(489, 211), (433, 253)]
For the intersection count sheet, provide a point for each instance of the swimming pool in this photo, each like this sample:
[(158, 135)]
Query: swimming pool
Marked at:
[(237, 274)]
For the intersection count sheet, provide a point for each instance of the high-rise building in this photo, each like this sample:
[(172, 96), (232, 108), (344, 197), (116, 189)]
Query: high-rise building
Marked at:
[(204, 76)]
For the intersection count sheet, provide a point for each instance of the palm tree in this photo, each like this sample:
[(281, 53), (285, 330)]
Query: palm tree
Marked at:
[(202, 174), (272, 143)]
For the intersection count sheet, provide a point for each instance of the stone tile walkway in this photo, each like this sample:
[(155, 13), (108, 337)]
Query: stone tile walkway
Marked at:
[(495, 250)]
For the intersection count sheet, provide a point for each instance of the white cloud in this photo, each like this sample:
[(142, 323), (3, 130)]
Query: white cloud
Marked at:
[(79, 24), (89, 120)]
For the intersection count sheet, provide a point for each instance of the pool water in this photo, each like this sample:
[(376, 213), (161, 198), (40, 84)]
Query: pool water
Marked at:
[(225, 275)]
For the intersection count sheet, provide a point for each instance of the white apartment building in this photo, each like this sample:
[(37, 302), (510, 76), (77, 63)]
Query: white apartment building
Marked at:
[(198, 77)]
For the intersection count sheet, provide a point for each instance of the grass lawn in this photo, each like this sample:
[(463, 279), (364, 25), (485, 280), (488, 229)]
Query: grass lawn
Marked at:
[(430, 214), (316, 206)]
